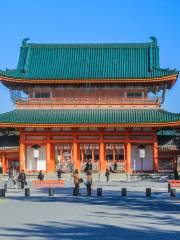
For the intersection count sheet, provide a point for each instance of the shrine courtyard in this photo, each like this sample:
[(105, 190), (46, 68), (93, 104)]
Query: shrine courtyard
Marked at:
[(108, 217)]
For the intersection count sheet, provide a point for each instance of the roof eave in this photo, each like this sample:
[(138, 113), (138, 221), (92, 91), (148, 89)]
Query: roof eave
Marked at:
[(99, 125), (170, 78)]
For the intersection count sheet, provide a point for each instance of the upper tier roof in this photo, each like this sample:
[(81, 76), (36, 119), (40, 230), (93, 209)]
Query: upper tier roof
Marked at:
[(88, 61)]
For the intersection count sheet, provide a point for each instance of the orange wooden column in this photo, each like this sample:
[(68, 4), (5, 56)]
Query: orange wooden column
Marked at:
[(77, 163), (22, 152), (155, 152), (128, 153), (128, 158), (52, 160), (48, 156), (76, 155), (102, 154), (3, 164)]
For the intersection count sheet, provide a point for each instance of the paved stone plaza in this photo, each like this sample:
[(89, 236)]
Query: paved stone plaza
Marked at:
[(108, 217)]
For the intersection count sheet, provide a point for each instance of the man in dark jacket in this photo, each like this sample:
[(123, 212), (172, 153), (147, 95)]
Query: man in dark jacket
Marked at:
[(40, 176), (22, 178)]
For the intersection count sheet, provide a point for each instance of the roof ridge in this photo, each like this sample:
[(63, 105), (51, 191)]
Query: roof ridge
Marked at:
[(89, 45)]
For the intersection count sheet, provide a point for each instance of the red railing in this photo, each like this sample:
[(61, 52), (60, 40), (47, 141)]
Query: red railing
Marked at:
[(84, 101)]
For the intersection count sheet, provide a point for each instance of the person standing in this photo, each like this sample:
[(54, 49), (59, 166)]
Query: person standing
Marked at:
[(107, 174), (176, 174), (90, 166), (18, 182), (10, 175), (40, 176), (86, 167), (88, 183), (76, 182), (59, 173), (115, 166), (71, 169), (22, 178)]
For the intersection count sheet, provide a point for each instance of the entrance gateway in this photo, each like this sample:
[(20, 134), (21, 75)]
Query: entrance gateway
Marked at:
[(89, 103)]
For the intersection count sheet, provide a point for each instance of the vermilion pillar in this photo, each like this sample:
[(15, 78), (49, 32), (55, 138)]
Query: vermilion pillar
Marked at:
[(155, 152), (128, 153), (76, 155), (22, 152), (3, 164), (48, 156), (52, 158), (102, 154), (128, 158)]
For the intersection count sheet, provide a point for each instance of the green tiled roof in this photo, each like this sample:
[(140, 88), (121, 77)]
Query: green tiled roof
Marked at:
[(88, 116), (88, 61), (166, 143), (167, 133), (9, 142)]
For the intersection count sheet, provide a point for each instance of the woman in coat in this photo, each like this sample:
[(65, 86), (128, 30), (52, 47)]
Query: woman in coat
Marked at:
[(88, 183), (77, 181)]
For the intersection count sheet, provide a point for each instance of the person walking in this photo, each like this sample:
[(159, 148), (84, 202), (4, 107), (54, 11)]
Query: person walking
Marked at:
[(22, 178), (40, 176), (76, 182), (107, 174), (88, 183)]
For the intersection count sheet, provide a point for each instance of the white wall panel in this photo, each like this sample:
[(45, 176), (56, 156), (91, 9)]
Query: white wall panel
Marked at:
[(35, 165)]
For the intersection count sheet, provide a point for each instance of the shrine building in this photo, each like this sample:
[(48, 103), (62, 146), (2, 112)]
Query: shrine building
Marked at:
[(98, 103)]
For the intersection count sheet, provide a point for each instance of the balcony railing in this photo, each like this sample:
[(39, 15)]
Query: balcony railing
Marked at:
[(87, 101)]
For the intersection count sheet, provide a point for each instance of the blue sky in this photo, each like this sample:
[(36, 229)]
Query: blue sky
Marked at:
[(91, 21)]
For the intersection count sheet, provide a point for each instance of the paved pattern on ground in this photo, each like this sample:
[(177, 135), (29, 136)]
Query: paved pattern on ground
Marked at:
[(110, 217)]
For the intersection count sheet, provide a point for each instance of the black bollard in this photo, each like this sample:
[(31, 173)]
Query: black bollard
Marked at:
[(173, 192), (51, 192), (27, 192), (124, 192), (2, 192), (148, 192), (169, 187), (99, 192), (5, 187)]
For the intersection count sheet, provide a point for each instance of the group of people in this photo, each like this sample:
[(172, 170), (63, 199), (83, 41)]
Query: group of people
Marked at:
[(77, 181), (17, 178)]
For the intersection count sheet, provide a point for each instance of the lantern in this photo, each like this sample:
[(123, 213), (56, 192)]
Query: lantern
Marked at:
[(142, 151), (36, 151), (142, 154)]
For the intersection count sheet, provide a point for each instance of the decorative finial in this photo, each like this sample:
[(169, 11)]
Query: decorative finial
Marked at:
[(154, 39), (24, 41)]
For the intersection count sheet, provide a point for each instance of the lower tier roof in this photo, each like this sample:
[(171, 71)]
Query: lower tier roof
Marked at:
[(9, 142), (93, 117)]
